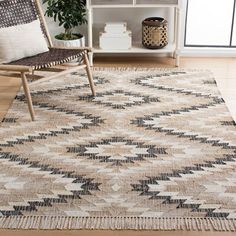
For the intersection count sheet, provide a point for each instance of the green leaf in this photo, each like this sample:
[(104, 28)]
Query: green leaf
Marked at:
[(69, 13)]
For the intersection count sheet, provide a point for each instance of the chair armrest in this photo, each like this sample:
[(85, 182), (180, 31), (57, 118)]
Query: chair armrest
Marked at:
[(16, 68), (89, 49)]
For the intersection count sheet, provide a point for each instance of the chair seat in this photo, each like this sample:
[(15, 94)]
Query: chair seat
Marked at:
[(53, 57)]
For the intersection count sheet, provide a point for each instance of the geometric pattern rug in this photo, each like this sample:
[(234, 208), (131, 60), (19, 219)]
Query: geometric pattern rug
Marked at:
[(154, 150)]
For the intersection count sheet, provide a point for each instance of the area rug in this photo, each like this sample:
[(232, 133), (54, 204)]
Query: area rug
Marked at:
[(154, 150)]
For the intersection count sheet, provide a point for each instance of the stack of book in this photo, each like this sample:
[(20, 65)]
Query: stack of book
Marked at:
[(115, 37)]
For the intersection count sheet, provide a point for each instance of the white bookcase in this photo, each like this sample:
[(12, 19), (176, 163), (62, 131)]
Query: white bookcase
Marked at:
[(172, 48)]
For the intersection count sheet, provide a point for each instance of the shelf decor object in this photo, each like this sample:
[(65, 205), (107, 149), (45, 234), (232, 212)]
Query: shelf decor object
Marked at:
[(155, 33), (172, 48), (115, 27), (115, 37)]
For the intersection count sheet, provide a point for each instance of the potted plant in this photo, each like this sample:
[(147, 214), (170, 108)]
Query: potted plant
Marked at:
[(69, 13)]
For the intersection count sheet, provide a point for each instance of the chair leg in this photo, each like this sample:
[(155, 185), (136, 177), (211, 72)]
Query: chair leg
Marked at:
[(28, 95), (89, 73)]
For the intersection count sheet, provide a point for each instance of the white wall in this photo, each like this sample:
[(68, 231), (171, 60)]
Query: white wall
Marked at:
[(53, 27)]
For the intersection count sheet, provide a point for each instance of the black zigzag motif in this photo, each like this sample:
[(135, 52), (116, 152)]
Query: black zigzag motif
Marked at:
[(138, 81), (181, 202), (95, 121), (145, 99), (215, 101), (212, 81), (152, 150), (140, 121), (228, 123), (97, 80), (88, 185), (9, 120), (192, 137), (143, 186)]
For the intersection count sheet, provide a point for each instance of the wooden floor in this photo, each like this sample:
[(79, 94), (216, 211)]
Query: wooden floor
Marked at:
[(224, 70)]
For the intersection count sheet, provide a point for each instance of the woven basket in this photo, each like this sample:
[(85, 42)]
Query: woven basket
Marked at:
[(155, 33)]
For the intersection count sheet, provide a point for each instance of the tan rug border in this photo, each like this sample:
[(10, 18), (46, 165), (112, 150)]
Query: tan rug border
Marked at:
[(117, 223)]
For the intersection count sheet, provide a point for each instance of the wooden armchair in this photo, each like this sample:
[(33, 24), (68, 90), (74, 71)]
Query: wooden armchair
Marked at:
[(16, 12)]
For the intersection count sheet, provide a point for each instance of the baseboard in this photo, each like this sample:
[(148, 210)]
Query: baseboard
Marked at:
[(208, 52)]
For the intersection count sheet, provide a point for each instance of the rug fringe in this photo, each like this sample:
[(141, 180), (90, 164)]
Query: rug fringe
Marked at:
[(117, 223), (134, 68)]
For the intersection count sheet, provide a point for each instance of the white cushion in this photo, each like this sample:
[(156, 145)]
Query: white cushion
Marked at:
[(21, 41)]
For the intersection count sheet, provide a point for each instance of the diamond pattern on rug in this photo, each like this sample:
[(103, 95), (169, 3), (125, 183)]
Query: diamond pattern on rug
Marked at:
[(117, 150), (73, 186), (155, 149), (120, 99)]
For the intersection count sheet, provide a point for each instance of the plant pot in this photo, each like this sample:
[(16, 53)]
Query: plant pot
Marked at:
[(71, 43)]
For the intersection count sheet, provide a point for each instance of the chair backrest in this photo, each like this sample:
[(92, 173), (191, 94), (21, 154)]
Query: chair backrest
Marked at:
[(17, 12)]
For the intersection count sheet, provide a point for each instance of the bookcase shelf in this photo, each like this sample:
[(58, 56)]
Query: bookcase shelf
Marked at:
[(172, 48), (137, 48)]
